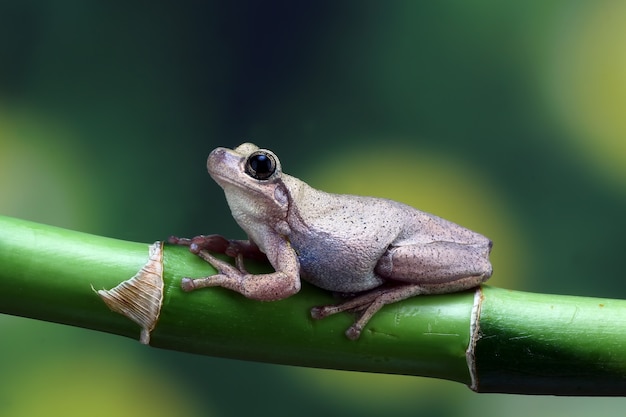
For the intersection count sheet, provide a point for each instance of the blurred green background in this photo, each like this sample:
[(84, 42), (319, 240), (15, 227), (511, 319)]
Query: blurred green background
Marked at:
[(506, 117)]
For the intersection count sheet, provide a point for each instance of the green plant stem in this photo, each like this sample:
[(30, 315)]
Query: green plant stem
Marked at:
[(551, 344), (48, 274), (523, 342)]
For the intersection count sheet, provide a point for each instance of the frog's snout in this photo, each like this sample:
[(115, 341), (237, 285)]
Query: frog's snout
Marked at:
[(221, 163), (215, 157)]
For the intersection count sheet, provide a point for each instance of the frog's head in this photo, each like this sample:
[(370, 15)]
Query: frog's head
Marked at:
[(247, 166), (252, 180)]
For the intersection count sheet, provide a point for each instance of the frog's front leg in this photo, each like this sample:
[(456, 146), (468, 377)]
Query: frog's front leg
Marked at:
[(219, 244), (264, 287)]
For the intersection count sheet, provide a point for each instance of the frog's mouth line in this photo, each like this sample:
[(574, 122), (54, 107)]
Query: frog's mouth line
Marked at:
[(221, 179)]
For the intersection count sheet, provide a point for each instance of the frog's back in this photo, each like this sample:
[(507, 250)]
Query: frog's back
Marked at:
[(340, 238)]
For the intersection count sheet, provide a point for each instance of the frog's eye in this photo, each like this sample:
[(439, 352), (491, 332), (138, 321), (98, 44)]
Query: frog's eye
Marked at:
[(261, 165)]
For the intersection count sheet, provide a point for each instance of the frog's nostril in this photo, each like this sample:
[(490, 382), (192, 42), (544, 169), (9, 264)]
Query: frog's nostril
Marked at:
[(490, 246)]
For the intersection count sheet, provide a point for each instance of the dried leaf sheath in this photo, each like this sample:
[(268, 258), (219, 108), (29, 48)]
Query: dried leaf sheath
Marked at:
[(140, 297)]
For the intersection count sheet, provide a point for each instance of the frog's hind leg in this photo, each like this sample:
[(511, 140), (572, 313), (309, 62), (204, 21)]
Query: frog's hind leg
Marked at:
[(436, 263), (369, 304)]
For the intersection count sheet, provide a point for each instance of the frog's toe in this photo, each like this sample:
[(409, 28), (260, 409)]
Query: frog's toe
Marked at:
[(321, 312), (187, 285), (354, 331), (318, 313)]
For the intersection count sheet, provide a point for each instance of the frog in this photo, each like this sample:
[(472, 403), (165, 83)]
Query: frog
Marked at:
[(376, 251)]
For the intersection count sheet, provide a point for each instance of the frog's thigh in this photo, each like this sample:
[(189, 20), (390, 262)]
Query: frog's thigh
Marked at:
[(433, 263)]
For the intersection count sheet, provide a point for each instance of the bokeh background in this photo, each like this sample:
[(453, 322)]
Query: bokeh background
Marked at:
[(507, 117)]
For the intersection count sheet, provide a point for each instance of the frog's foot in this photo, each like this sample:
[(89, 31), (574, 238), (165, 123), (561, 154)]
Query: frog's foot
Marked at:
[(226, 275), (219, 244), (213, 243), (368, 304), (263, 287)]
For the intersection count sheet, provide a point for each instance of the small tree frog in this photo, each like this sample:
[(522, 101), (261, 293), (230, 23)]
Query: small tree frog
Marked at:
[(382, 250)]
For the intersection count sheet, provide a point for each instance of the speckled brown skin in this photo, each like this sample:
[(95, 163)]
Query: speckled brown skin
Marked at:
[(386, 250)]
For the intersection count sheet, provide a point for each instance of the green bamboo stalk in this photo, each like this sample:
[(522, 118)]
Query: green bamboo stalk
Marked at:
[(491, 339), (551, 344)]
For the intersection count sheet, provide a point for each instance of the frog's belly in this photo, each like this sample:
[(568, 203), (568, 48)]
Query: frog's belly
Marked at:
[(336, 266)]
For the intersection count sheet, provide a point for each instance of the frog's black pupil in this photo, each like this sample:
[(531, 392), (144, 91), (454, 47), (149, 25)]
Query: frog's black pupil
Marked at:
[(260, 166)]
